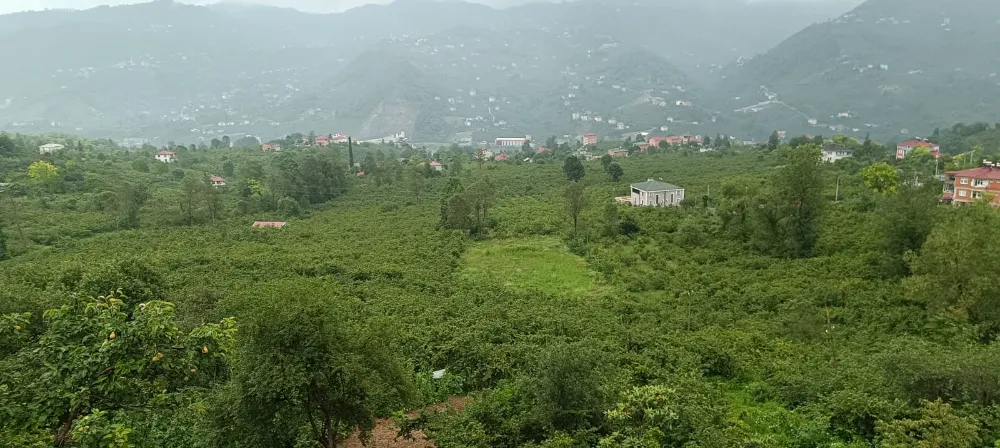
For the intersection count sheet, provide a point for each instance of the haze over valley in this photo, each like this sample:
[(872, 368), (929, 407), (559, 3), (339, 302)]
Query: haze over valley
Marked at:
[(171, 71)]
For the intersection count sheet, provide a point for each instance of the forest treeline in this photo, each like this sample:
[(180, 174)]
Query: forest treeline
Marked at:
[(786, 303)]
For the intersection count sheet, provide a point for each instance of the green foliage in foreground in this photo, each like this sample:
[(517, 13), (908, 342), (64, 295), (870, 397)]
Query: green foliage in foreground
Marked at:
[(786, 304)]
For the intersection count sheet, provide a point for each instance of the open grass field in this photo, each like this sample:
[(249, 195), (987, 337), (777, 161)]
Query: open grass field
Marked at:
[(536, 263)]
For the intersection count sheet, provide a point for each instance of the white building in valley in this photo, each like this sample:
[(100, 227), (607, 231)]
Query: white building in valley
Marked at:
[(652, 193), (50, 148)]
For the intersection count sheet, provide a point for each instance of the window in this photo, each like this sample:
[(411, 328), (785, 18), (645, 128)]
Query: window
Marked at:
[(977, 195), (981, 183), (963, 193), (965, 181)]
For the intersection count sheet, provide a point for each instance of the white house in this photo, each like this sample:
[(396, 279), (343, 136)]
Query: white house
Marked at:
[(50, 148), (166, 157), (833, 153), (652, 193), (217, 181), (509, 142)]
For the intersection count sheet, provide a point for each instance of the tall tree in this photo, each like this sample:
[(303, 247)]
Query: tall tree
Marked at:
[(7, 147), (615, 171), (226, 142), (129, 200), (576, 203), (573, 168), (192, 192), (3, 244), (606, 161), (350, 154), (799, 190), (774, 141), (907, 220), (304, 372), (481, 195)]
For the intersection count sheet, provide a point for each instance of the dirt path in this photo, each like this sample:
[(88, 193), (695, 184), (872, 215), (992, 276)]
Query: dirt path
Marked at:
[(384, 434)]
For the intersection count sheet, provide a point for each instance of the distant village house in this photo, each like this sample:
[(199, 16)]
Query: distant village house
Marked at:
[(50, 148), (165, 157), (217, 181), (618, 153), (833, 153), (590, 139), (905, 148), (509, 142), (654, 193), (271, 147)]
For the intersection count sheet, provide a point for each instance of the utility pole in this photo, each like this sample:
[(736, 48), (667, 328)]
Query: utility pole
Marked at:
[(836, 195)]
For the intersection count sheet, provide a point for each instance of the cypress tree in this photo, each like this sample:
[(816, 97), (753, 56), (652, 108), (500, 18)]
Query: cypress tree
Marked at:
[(350, 154)]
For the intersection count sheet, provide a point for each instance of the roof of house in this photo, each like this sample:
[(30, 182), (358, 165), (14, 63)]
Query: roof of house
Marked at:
[(832, 147), (655, 185), (165, 153), (983, 172), (590, 135), (52, 145), (260, 224), (510, 139), (918, 143), (435, 163), (216, 179)]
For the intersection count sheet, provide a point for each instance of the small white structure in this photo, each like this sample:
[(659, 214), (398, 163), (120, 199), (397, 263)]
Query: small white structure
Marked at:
[(166, 157), (833, 153), (217, 181), (653, 193), (50, 148)]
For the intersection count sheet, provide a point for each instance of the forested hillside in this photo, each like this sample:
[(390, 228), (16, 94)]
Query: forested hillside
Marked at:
[(164, 71), (889, 67), (785, 303)]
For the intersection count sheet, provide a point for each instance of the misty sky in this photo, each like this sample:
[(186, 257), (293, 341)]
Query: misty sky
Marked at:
[(8, 6)]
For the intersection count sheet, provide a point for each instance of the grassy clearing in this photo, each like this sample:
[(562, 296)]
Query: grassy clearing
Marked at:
[(536, 263)]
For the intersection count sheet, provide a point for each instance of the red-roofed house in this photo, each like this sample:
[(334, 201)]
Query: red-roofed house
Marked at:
[(906, 147), (165, 157), (589, 139), (618, 153), (269, 224), (643, 146), (271, 147), (217, 181), (968, 186), (501, 157), (436, 165), (339, 138), (655, 141), (541, 150), (322, 140)]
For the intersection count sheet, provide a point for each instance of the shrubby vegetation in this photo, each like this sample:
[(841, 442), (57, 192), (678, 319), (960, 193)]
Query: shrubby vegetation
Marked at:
[(787, 303)]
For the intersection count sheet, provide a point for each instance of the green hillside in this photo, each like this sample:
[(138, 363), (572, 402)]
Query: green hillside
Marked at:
[(785, 303), (892, 66)]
